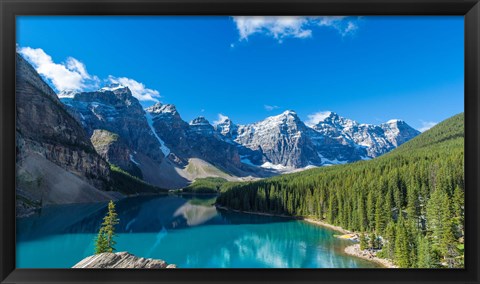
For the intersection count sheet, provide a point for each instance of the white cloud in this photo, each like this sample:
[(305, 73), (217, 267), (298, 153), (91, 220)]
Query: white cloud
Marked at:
[(340, 23), (351, 27), (139, 90), (315, 118), (70, 75), (270, 108), (426, 125), (280, 27), (220, 119)]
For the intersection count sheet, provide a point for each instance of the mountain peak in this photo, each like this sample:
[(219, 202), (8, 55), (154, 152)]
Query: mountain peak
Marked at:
[(200, 125), (223, 120), (201, 120), (159, 108), (225, 126), (289, 112), (326, 116), (113, 87), (395, 120)]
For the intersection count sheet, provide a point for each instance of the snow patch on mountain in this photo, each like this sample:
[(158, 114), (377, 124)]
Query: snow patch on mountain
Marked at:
[(163, 147), (246, 160), (133, 160), (278, 167), (335, 161)]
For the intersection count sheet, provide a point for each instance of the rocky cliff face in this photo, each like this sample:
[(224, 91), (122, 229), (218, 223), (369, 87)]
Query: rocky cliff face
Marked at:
[(227, 128), (197, 139), (111, 147), (50, 144), (282, 139), (115, 109)]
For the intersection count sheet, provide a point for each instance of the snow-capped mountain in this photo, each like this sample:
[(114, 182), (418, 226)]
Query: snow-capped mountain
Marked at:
[(114, 109), (284, 140), (201, 126), (226, 127), (398, 131), (197, 139), (147, 138), (375, 139)]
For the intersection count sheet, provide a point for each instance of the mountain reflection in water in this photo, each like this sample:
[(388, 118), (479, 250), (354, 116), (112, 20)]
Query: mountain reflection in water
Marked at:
[(186, 230)]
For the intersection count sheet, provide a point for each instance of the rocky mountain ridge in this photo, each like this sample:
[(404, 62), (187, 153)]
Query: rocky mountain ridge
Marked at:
[(158, 146), (276, 144), (285, 140)]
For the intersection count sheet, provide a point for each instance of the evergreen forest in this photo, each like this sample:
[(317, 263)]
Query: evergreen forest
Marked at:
[(408, 203)]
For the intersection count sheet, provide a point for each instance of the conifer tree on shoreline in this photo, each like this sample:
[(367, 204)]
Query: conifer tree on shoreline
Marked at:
[(104, 241)]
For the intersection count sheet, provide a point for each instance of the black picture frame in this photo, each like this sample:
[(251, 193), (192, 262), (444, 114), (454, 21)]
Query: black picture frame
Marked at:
[(9, 9)]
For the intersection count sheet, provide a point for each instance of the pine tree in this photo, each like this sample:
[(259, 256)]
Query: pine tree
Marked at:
[(389, 241), (105, 239), (458, 203), (448, 245), (374, 241), (370, 210), (402, 252), (101, 242), (363, 241), (426, 257), (434, 214), (413, 204), (380, 217)]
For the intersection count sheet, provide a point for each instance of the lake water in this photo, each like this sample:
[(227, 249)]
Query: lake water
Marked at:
[(187, 231)]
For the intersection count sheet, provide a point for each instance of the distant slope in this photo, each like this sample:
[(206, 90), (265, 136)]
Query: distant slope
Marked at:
[(423, 179), (450, 129), (205, 185), (127, 184)]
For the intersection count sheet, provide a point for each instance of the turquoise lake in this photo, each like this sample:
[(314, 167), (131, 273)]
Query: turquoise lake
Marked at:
[(185, 230)]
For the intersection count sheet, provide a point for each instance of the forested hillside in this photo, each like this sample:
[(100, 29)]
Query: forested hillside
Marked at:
[(205, 185), (410, 201)]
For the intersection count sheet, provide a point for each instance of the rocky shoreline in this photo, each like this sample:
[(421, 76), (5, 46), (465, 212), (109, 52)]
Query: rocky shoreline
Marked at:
[(326, 225), (370, 255)]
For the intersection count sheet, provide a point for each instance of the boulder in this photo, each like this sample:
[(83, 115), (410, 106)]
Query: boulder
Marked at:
[(121, 260)]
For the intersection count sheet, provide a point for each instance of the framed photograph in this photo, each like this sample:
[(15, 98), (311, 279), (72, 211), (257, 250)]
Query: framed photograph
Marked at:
[(239, 141)]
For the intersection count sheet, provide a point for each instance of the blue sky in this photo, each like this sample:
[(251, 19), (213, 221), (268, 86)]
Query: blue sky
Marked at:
[(370, 69)]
